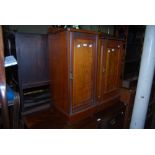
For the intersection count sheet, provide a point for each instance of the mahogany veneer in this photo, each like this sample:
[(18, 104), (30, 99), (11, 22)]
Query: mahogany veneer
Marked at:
[(85, 70)]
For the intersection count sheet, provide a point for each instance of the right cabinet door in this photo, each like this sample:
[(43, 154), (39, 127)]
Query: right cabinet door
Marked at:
[(109, 69)]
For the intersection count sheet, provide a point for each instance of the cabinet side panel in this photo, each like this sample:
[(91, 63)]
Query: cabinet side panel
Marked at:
[(59, 70)]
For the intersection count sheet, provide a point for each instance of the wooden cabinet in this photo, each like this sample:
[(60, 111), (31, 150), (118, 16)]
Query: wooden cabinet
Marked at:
[(85, 72), (73, 63), (109, 70), (127, 97)]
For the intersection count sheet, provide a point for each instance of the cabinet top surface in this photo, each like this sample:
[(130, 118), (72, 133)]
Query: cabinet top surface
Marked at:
[(100, 34), (52, 31)]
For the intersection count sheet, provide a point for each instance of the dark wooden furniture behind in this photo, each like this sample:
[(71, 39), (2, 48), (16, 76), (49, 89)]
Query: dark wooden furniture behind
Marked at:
[(127, 97), (134, 47), (86, 72), (32, 58), (33, 63)]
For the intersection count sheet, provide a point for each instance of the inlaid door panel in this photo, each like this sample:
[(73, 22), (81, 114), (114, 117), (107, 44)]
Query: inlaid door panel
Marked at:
[(109, 68), (112, 66), (83, 73)]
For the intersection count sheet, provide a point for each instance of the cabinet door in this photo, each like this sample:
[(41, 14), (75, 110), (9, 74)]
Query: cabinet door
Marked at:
[(84, 53), (109, 71), (112, 59)]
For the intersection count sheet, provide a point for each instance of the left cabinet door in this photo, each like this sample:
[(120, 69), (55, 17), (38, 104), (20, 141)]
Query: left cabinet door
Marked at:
[(84, 63)]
